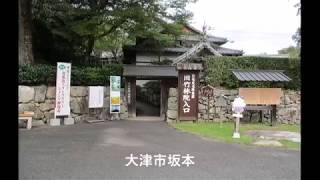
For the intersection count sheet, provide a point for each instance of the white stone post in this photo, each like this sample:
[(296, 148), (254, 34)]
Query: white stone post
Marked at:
[(236, 133)]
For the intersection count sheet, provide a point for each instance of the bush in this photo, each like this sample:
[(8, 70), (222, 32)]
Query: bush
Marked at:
[(218, 71), (84, 76)]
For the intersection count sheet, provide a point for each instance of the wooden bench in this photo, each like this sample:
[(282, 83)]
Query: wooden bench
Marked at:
[(259, 108), (27, 116)]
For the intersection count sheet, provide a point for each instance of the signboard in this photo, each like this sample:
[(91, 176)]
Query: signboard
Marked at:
[(207, 91), (115, 88), (188, 94), (96, 96), (261, 96), (63, 89)]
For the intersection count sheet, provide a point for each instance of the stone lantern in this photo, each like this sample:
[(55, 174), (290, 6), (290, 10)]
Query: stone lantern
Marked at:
[(238, 106)]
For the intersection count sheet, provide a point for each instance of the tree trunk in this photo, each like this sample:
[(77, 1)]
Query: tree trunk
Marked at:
[(25, 32), (90, 46), (114, 54)]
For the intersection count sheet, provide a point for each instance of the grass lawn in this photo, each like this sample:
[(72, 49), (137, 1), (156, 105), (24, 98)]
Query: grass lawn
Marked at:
[(224, 131)]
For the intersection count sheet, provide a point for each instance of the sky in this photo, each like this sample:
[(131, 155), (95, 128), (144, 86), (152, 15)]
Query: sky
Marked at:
[(254, 26)]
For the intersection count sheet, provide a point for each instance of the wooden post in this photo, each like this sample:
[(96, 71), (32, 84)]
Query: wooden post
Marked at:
[(236, 133), (163, 99), (273, 115), (130, 92)]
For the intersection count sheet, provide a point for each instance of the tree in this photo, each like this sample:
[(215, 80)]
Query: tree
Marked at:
[(292, 51), (84, 22), (113, 43), (25, 32), (297, 36)]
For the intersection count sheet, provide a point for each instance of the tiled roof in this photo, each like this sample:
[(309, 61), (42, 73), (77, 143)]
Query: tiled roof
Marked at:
[(210, 37), (260, 75), (194, 50), (227, 51)]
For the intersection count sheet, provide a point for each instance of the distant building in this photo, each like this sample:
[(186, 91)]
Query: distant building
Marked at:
[(193, 44)]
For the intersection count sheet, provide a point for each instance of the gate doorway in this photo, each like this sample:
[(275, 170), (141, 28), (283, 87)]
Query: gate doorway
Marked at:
[(148, 97), (163, 77)]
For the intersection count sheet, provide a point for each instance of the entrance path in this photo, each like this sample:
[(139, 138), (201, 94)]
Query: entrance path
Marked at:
[(144, 109), (98, 151)]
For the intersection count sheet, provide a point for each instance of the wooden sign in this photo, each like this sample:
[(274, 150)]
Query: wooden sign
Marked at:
[(207, 91), (188, 82), (262, 96)]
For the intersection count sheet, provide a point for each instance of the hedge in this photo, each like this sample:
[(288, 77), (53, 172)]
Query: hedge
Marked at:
[(80, 75), (218, 71)]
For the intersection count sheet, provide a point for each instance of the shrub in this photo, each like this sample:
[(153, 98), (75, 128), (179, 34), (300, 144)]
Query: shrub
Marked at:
[(218, 71), (46, 74)]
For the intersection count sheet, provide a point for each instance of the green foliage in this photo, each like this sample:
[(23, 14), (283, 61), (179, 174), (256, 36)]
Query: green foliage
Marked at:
[(40, 74), (293, 52), (297, 37), (46, 74), (152, 87), (218, 71), (75, 26)]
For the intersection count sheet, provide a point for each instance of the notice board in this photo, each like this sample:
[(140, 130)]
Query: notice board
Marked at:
[(261, 96), (96, 96)]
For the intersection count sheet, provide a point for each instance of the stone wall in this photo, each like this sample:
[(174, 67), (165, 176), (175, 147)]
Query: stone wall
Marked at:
[(41, 100), (220, 107), (172, 109)]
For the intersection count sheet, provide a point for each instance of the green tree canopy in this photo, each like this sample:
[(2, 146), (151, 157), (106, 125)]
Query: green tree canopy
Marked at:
[(292, 51), (79, 24)]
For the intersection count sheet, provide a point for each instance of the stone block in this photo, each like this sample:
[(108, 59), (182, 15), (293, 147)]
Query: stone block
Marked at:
[(173, 103), (221, 102), (26, 94), (172, 114), (217, 92), (46, 107), (38, 114), (49, 115), (173, 92), (27, 107), (79, 91), (202, 107), (68, 121), (233, 92), (54, 122), (40, 93), (79, 105), (51, 92)]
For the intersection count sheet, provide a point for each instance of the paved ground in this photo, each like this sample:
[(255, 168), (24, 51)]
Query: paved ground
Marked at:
[(98, 151)]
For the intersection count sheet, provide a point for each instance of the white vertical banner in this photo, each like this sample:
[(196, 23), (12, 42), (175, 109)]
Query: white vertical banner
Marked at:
[(96, 96), (115, 88), (63, 89)]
